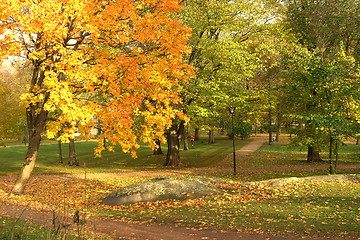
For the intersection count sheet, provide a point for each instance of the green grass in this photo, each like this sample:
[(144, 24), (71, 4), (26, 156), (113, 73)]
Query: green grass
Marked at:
[(315, 209), (11, 228), (200, 155), (287, 155)]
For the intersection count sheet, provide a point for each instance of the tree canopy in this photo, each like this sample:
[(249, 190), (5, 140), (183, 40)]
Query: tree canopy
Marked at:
[(115, 61), (322, 71), (134, 69)]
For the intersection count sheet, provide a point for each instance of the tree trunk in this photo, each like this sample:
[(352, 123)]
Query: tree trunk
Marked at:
[(336, 154), (60, 152), (158, 150), (185, 139), (313, 155), (357, 141), (72, 153), (211, 137), (269, 126), (331, 148), (173, 154), (36, 124), (197, 134), (331, 163), (100, 132), (278, 123)]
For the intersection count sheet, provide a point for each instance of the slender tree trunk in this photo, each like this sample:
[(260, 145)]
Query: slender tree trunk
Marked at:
[(358, 141), (331, 163), (72, 153), (313, 155), (60, 152), (185, 139), (197, 134), (100, 132), (336, 154), (278, 123), (269, 125), (104, 142), (36, 124), (158, 150), (331, 148), (173, 154)]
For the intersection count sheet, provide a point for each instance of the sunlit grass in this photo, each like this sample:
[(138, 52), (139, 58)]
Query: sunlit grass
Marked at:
[(316, 209), (11, 228), (325, 209), (200, 155), (281, 154)]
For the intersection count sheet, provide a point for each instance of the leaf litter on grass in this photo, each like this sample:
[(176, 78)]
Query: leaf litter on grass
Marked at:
[(312, 208)]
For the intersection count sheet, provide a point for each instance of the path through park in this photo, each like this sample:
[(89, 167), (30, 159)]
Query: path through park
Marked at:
[(121, 230)]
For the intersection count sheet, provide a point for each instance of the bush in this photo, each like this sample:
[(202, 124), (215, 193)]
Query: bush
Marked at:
[(241, 129)]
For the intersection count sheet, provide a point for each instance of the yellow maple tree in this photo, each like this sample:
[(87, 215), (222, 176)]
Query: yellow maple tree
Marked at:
[(117, 62)]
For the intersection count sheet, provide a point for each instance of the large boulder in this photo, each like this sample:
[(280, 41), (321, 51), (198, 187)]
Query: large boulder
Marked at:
[(282, 182), (162, 189)]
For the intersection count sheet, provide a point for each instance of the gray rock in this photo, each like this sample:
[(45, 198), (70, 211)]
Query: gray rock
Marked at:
[(162, 189), (282, 182), (277, 182)]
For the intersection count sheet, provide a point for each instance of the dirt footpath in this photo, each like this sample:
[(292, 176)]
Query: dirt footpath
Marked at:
[(120, 230)]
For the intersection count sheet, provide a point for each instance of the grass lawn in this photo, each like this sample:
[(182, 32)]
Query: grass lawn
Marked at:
[(200, 155), (284, 154), (11, 228), (324, 209), (315, 209), (284, 160)]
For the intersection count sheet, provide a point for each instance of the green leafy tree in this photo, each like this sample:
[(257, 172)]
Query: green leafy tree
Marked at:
[(224, 57), (322, 73), (12, 115), (12, 118)]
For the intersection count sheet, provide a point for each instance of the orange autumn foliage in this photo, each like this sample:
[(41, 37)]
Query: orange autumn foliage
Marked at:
[(115, 61)]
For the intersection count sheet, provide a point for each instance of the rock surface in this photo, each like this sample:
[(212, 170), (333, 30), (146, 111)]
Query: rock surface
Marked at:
[(282, 182), (162, 189)]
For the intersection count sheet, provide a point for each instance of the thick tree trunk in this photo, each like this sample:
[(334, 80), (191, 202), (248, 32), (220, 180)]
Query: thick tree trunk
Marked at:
[(197, 134), (211, 137), (72, 153), (158, 150), (36, 123), (313, 155), (173, 154)]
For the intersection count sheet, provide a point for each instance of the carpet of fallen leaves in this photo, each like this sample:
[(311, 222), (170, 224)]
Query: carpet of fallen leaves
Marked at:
[(51, 192), (312, 209)]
